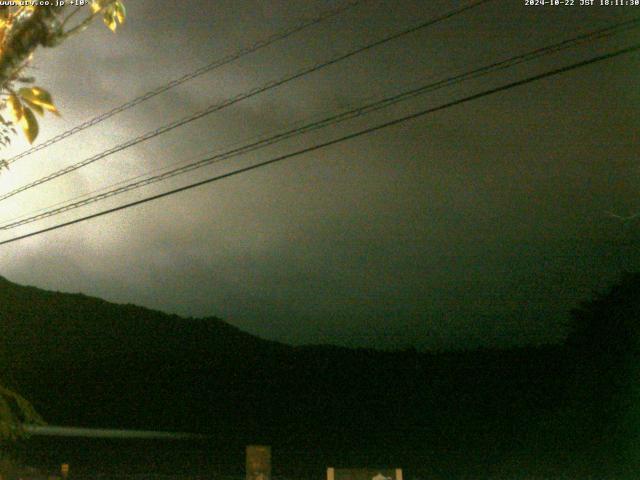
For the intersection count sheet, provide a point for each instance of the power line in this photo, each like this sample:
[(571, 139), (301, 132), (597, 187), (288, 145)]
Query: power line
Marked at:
[(190, 76), (333, 119), (142, 175), (335, 141), (219, 106)]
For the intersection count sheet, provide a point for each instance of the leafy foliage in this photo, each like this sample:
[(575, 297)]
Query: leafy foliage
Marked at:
[(14, 412), (22, 30), (6, 129), (112, 12)]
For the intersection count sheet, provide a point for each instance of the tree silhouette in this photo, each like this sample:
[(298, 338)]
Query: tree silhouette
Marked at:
[(604, 342), (610, 323), (15, 411)]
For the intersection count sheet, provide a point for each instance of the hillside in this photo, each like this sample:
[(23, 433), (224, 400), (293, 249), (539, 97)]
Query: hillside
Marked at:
[(87, 362)]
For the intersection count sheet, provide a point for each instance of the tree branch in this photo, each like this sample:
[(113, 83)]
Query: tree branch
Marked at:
[(30, 29)]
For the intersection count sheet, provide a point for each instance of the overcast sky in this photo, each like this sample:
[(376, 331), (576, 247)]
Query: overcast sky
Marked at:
[(481, 224)]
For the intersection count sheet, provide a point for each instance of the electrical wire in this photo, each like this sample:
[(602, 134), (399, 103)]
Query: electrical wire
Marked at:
[(331, 120), (335, 141), (219, 106), (303, 25)]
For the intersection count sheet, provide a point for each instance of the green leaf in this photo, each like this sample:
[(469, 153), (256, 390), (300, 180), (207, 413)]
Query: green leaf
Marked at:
[(40, 97), (15, 108), (113, 14), (29, 125), (109, 19), (35, 107), (121, 12)]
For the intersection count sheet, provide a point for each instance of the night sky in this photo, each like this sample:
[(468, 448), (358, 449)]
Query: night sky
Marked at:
[(483, 224)]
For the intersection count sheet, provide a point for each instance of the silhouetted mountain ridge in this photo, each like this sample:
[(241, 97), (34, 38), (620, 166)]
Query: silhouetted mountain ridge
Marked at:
[(87, 362)]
